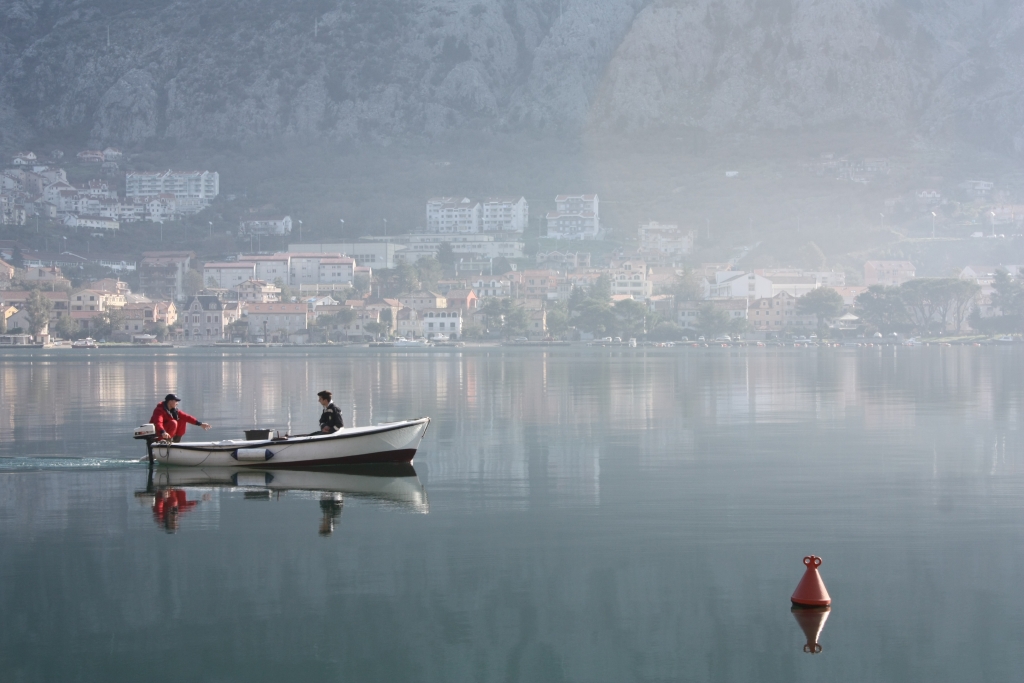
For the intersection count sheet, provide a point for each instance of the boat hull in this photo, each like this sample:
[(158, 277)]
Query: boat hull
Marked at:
[(389, 443)]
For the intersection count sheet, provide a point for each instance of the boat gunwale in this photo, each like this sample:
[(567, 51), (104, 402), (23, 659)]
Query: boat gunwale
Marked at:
[(213, 447)]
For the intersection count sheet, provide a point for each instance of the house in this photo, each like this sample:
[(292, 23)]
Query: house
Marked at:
[(24, 159), (688, 312), (112, 154), (493, 287), (61, 305), (463, 299), (281, 225), (228, 275), (138, 318), (779, 313), (274, 322), (110, 285), (441, 323), (538, 284), (629, 278), (387, 310), (91, 156), (576, 217), (664, 244), (422, 300), (205, 318), (891, 273), (47, 276), (407, 323), (95, 301), (356, 328), (257, 292), (20, 320), (162, 273), (537, 324)]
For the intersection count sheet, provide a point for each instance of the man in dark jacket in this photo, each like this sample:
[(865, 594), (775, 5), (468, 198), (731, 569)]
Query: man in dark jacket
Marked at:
[(330, 418), (170, 422)]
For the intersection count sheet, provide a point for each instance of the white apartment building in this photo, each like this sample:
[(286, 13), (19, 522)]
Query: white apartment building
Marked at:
[(732, 284), (453, 215), (184, 185), (664, 243), (336, 270), (438, 323), (269, 268), (576, 217), (228, 275), (266, 226), (306, 269), (504, 214)]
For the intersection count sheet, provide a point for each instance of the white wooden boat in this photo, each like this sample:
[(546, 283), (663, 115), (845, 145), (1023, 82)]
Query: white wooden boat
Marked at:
[(394, 442)]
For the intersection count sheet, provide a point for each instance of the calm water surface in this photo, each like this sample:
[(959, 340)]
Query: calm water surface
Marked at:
[(575, 514)]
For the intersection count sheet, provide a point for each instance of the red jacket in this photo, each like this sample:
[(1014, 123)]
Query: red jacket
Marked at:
[(165, 422)]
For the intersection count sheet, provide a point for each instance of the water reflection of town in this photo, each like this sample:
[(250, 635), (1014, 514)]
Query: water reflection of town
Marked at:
[(537, 416)]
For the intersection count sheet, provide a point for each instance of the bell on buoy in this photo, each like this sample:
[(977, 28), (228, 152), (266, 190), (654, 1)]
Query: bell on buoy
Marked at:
[(811, 621), (811, 592)]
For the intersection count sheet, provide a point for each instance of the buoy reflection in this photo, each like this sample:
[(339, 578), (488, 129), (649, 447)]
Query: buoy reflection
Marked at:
[(811, 621)]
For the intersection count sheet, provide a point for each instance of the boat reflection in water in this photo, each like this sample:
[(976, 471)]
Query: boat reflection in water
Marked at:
[(811, 621), (396, 485)]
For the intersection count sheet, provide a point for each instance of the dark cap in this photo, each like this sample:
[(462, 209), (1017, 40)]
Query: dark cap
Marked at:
[(171, 397)]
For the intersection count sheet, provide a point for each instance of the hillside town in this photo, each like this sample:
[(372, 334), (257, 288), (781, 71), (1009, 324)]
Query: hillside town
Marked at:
[(469, 273)]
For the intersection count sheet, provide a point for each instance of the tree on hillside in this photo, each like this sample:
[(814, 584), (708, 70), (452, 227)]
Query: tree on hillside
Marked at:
[(961, 295), (407, 279), (192, 283), (361, 283), (596, 317), (687, 286), (1009, 298), (632, 317), (38, 308), (712, 321), (65, 327), (601, 290), (517, 322), (882, 306), (917, 296), (823, 303), (429, 271), (446, 255)]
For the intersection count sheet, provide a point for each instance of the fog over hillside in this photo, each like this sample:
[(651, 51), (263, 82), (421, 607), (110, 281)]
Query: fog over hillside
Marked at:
[(193, 72)]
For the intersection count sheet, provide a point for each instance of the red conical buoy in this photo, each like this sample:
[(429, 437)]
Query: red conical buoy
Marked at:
[(811, 592)]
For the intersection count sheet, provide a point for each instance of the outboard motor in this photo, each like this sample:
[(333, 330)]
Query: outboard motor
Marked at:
[(147, 433)]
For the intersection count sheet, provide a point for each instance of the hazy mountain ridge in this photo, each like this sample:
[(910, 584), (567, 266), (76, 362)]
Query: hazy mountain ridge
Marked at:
[(236, 70)]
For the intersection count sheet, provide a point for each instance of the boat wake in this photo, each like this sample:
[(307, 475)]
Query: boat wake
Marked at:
[(32, 464)]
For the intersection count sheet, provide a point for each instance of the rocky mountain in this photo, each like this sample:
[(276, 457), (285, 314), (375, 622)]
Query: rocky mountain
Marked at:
[(205, 71)]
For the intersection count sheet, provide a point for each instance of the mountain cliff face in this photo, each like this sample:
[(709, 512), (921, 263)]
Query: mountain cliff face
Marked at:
[(199, 71)]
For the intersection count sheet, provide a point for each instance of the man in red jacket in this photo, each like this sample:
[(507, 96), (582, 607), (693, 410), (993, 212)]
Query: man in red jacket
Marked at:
[(170, 422)]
